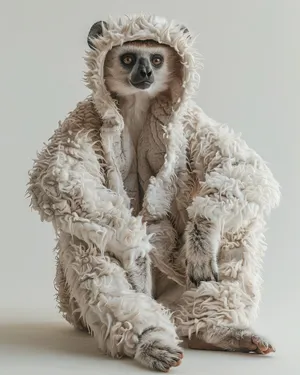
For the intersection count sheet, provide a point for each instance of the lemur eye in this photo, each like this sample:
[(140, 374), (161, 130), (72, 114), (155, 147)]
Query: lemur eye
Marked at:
[(157, 60), (127, 59)]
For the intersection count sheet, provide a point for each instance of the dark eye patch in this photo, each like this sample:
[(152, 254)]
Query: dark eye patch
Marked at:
[(128, 60), (157, 60)]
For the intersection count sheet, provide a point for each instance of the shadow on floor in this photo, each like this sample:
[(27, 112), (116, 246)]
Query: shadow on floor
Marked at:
[(56, 339), (47, 336), (61, 339)]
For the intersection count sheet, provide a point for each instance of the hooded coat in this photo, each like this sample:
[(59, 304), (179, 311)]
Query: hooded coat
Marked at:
[(110, 215)]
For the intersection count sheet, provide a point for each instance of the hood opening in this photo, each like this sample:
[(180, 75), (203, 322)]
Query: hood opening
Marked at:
[(167, 82)]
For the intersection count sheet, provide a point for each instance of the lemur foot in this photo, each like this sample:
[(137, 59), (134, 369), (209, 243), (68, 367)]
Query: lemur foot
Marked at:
[(158, 352), (236, 340), (262, 345)]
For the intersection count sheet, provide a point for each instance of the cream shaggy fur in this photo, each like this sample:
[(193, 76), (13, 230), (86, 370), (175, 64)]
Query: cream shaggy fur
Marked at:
[(206, 195)]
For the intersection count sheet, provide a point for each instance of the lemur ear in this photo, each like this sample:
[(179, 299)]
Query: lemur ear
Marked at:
[(95, 31), (185, 30)]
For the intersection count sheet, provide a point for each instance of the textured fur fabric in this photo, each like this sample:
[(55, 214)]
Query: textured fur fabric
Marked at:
[(199, 214)]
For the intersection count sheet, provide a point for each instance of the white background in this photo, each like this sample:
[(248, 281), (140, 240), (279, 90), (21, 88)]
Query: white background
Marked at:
[(251, 81)]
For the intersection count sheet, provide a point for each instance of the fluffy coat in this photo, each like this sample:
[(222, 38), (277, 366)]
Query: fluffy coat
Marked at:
[(200, 214)]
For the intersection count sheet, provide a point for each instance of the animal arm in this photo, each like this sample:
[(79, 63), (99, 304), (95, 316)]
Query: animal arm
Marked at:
[(226, 199), (80, 205)]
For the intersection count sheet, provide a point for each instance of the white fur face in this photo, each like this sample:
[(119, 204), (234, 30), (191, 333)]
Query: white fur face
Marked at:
[(140, 66)]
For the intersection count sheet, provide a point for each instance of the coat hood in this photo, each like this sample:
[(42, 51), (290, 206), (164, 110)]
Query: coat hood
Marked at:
[(103, 36)]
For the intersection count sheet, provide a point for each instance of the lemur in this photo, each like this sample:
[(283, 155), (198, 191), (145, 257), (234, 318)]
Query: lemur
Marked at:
[(119, 173)]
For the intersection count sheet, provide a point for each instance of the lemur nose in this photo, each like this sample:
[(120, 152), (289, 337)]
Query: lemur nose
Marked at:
[(145, 72)]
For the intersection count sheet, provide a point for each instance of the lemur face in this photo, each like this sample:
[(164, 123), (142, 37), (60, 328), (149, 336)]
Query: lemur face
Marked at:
[(139, 66)]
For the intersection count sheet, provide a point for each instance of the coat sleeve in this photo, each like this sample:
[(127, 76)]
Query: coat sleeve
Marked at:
[(234, 184), (67, 187)]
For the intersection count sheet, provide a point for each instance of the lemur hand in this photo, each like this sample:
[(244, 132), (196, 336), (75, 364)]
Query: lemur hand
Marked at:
[(202, 245)]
